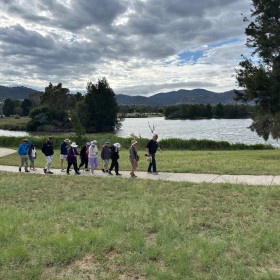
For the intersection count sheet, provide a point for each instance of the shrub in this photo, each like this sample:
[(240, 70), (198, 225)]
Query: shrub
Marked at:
[(165, 144)]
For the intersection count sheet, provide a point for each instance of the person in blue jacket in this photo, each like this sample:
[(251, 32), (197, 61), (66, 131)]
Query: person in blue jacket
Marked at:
[(23, 153)]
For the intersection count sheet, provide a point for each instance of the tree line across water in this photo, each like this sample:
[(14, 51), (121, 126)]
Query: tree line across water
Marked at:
[(191, 111)]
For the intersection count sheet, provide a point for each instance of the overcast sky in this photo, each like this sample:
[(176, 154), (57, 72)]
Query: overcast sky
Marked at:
[(142, 47)]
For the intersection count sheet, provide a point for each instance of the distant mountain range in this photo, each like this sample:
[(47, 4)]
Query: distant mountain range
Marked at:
[(182, 96), (15, 92)]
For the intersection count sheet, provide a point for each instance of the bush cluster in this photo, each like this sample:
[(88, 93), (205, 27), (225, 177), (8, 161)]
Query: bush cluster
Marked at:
[(165, 144)]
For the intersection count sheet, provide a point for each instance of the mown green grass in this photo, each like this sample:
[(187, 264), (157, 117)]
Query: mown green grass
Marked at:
[(109, 228), (252, 162)]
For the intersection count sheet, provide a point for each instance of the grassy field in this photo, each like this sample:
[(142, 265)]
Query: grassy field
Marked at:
[(13, 123), (89, 228), (258, 162)]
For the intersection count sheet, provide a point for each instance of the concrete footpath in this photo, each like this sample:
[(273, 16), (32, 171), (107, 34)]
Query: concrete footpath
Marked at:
[(266, 180)]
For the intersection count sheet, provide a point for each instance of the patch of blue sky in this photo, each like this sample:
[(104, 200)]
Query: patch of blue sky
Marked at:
[(226, 42), (72, 38), (192, 56)]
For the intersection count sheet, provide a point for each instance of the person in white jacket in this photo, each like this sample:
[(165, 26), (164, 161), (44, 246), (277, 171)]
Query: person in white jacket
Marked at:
[(92, 156)]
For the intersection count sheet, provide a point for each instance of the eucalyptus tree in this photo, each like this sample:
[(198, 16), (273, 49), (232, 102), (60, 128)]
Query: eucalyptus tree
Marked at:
[(260, 78)]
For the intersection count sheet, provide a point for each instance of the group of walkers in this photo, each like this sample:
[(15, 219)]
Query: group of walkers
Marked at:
[(88, 156)]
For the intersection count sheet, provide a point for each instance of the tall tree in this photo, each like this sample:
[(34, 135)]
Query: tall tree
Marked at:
[(261, 80), (56, 97), (9, 107), (102, 107), (26, 106)]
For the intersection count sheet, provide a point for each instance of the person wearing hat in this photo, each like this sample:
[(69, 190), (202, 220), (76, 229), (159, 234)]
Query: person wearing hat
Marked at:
[(23, 153), (84, 156), (133, 157), (63, 152), (72, 158), (92, 156), (114, 157), (106, 155), (47, 150)]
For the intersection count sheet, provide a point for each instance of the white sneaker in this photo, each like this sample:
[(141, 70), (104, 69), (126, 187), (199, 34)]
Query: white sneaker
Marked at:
[(92, 174), (63, 170)]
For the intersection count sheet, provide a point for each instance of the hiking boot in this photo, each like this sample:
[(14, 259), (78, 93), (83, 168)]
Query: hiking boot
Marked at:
[(49, 172), (27, 171), (110, 173), (103, 170), (155, 173), (45, 170), (78, 173), (19, 169), (118, 174)]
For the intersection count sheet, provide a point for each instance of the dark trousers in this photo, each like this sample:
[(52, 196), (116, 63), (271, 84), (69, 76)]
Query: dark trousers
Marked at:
[(152, 164), (75, 166), (114, 164), (84, 161)]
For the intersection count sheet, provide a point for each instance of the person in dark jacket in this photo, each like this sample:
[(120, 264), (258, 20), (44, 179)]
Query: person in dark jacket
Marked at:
[(72, 158), (106, 156), (84, 156), (114, 157), (63, 152), (151, 149), (23, 153), (47, 150)]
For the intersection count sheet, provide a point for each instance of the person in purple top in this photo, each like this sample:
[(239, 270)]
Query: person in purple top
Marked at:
[(72, 158)]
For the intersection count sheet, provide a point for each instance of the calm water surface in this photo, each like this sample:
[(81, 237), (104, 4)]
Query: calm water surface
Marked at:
[(233, 131)]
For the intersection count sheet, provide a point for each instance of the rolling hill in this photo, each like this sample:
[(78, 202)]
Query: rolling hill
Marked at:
[(182, 96)]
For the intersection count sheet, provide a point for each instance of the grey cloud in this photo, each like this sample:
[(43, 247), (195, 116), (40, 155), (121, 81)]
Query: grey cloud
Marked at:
[(17, 35), (154, 30), (76, 16)]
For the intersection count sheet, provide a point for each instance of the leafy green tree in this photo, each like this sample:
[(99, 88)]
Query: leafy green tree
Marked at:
[(261, 80), (56, 97), (40, 117), (208, 111), (26, 106), (102, 107), (77, 127), (219, 113), (9, 107)]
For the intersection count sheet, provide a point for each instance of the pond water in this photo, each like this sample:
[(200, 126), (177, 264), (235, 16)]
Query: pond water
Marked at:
[(231, 130)]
